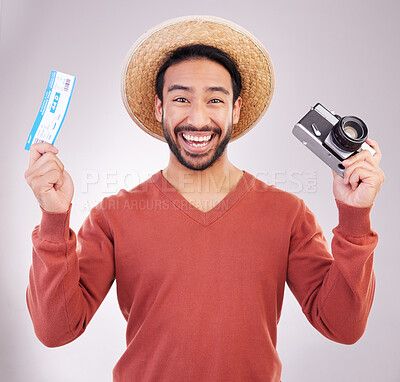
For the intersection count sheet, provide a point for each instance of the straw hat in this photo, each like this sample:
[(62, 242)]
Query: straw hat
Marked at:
[(149, 53)]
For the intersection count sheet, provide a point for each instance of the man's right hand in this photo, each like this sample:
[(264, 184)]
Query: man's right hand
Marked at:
[(51, 184)]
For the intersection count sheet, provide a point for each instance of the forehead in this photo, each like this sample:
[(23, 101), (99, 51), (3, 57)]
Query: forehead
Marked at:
[(198, 72)]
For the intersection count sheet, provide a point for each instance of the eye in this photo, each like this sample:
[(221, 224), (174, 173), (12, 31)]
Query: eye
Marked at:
[(180, 99), (216, 100)]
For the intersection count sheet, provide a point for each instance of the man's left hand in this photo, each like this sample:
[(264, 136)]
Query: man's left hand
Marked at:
[(362, 180)]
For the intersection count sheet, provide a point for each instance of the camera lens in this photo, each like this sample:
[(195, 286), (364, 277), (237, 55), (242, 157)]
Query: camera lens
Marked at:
[(350, 133)]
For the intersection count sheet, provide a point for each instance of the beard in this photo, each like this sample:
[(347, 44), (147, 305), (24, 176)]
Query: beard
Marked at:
[(192, 161)]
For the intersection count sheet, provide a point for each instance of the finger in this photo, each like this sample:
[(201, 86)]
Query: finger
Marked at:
[(361, 174), (44, 183), (365, 175), (359, 164), (38, 149), (60, 182), (354, 179), (47, 157), (46, 163), (363, 155), (46, 167), (375, 146)]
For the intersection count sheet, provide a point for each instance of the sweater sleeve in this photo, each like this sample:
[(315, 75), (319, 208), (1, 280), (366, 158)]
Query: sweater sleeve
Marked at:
[(68, 281), (335, 291)]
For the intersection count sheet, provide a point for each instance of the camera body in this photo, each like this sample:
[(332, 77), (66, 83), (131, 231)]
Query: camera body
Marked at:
[(331, 137)]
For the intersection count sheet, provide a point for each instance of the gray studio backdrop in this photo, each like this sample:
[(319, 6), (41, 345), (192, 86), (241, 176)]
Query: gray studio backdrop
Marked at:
[(344, 54)]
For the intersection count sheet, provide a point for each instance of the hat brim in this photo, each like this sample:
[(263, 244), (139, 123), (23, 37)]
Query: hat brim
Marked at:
[(149, 52)]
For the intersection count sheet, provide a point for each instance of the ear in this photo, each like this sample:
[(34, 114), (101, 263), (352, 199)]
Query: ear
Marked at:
[(158, 108), (236, 110)]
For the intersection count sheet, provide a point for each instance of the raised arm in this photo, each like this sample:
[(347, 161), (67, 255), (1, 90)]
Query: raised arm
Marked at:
[(67, 282), (336, 293)]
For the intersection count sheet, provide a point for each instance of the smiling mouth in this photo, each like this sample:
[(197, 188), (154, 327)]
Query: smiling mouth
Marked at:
[(197, 141)]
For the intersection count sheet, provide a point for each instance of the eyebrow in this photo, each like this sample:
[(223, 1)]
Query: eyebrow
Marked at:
[(190, 89)]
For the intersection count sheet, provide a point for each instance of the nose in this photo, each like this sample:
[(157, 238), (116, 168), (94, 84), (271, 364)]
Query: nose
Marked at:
[(198, 115)]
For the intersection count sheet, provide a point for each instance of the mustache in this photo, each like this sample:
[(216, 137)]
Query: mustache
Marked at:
[(179, 129)]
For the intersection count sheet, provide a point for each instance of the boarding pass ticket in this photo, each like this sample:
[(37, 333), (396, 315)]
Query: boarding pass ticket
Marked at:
[(53, 109)]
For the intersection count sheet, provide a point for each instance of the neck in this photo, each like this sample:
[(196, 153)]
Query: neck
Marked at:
[(219, 178)]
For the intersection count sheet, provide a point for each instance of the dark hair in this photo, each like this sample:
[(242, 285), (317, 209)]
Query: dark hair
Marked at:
[(199, 51)]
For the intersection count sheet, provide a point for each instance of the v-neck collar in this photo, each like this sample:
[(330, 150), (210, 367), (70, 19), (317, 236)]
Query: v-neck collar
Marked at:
[(203, 218)]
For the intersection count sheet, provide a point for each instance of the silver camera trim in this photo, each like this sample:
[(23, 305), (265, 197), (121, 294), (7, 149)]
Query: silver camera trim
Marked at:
[(317, 146), (330, 143), (326, 114)]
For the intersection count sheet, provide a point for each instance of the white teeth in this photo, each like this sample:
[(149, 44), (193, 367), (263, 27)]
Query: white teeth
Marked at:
[(197, 139), (198, 145)]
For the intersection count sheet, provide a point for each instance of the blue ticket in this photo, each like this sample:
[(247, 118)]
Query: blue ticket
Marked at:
[(53, 109)]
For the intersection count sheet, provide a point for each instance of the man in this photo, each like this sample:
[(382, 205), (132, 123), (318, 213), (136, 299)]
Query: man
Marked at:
[(202, 250)]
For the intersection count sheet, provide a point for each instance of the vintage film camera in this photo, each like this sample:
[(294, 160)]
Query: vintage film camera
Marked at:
[(331, 137)]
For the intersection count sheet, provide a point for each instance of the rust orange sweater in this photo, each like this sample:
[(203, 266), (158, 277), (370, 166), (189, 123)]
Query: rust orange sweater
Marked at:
[(201, 292)]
